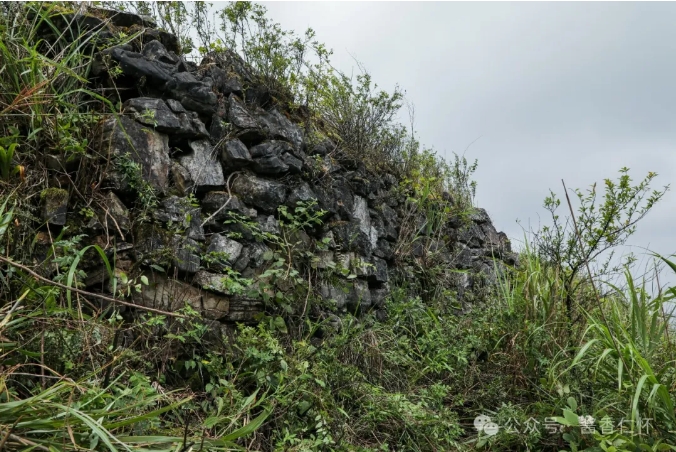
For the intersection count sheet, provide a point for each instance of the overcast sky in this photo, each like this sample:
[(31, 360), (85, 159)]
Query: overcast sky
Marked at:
[(571, 91)]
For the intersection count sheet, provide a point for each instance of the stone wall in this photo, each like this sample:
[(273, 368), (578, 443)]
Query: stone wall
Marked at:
[(213, 143)]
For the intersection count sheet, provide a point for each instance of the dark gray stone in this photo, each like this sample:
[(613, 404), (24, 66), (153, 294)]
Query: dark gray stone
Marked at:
[(176, 106), (54, 206), (325, 259), (235, 155), (294, 164), (333, 294), (156, 114), (231, 63), (350, 237), (384, 250), (222, 82), (359, 298), (155, 51), (219, 128), (136, 65), (186, 254), (268, 157), (389, 181), (277, 126), (462, 256), (257, 254), (302, 193), (168, 40), (378, 273), (178, 211), (204, 169), (116, 214), (222, 244), (239, 116), (243, 261), (181, 178), (210, 281), (472, 235), (323, 148), (214, 200), (268, 224), (343, 198), (479, 216), (144, 145), (379, 296), (390, 223), (265, 195), (269, 165), (193, 94)]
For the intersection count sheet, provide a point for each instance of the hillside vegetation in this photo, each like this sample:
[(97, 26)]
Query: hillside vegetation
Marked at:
[(211, 239)]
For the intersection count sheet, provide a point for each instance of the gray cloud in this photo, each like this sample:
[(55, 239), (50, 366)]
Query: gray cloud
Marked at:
[(555, 90)]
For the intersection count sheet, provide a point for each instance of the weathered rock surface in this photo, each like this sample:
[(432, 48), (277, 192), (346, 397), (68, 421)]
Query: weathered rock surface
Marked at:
[(201, 164), (193, 94), (235, 155), (116, 214), (157, 114), (229, 249), (143, 145), (179, 213), (265, 195), (55, 206)]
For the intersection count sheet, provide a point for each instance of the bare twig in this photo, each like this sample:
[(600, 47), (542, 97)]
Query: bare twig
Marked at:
[(89, 294), (26, 442), (227, 186)]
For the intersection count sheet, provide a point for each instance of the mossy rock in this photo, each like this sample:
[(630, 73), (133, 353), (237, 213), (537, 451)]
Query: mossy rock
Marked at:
[(54, 205)]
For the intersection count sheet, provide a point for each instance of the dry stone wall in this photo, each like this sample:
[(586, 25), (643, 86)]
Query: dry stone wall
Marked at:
[(212, 143)]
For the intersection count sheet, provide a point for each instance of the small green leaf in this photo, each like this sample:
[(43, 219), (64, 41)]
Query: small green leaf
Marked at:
[(572, 403)]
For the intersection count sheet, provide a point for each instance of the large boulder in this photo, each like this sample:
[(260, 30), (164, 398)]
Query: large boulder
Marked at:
[(149, 148)]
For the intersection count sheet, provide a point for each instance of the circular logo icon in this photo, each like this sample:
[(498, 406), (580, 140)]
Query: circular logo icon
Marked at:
[(481, 421), (491, 428)]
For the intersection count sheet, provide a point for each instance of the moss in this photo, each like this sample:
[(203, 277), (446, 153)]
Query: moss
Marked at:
[(53, 194)]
